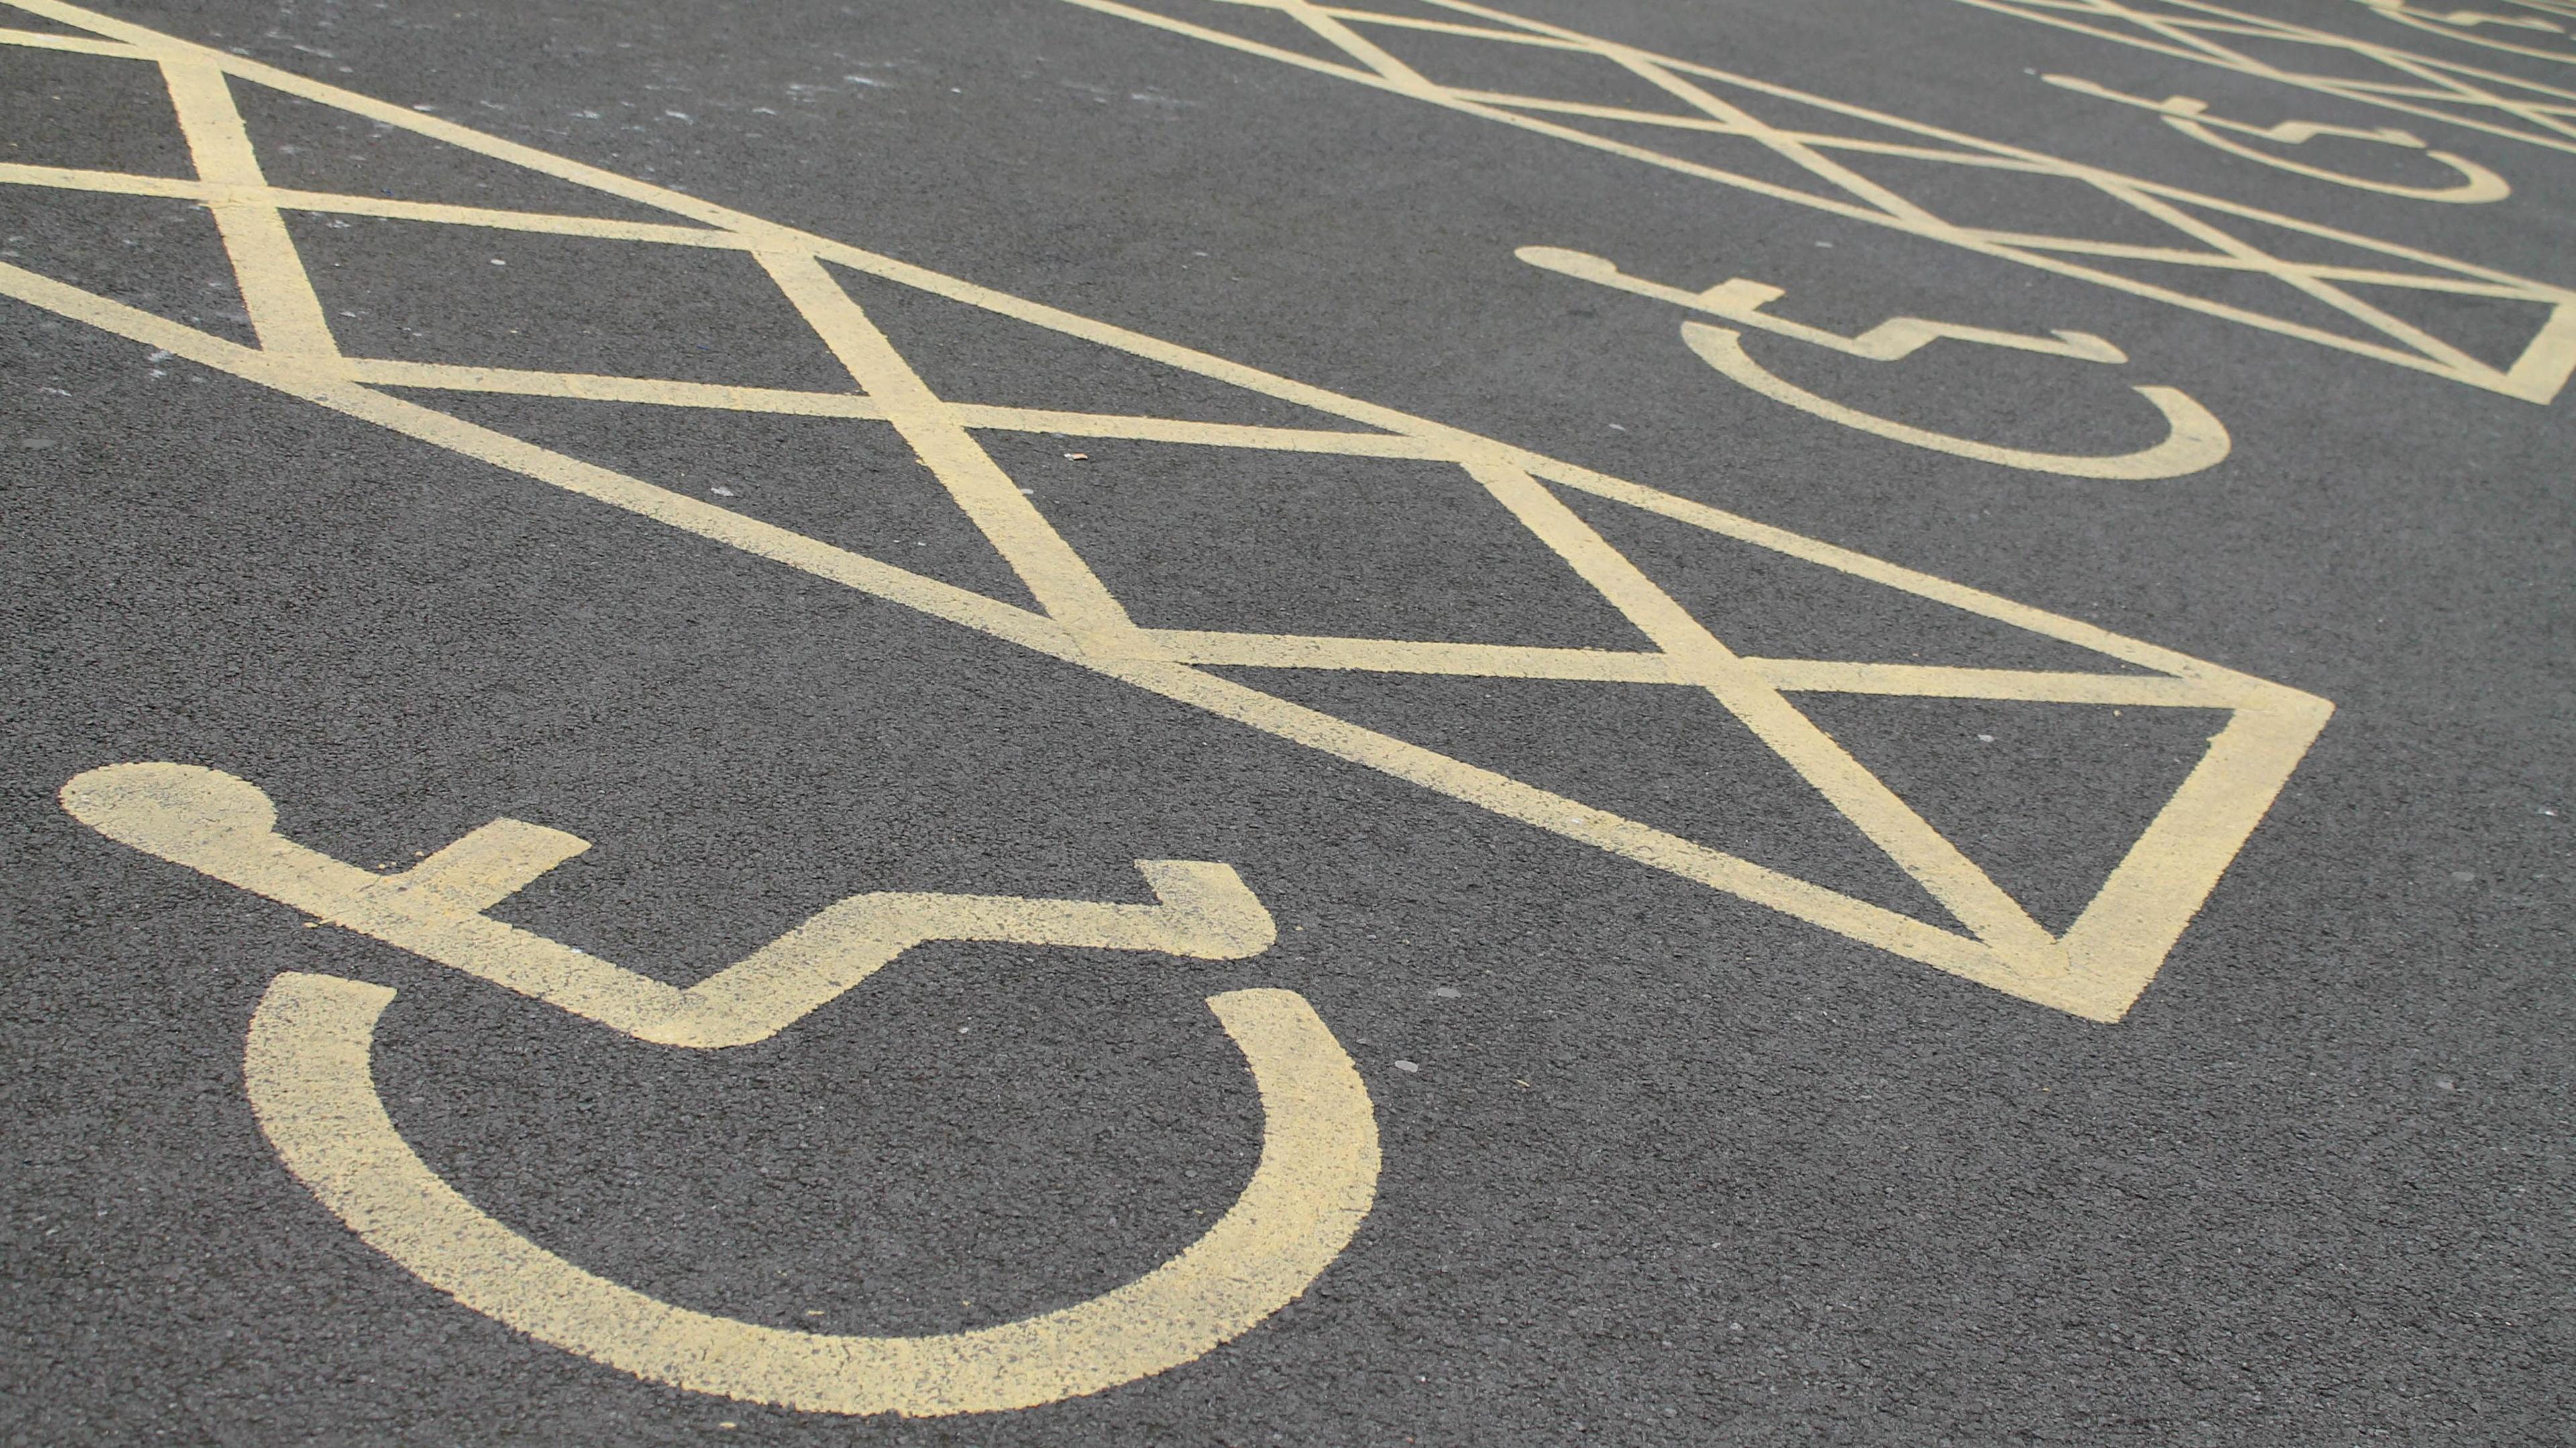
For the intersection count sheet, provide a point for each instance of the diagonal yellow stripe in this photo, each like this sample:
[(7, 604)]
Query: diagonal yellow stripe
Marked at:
[(275, 290), (1055, 574), (1889, 822)]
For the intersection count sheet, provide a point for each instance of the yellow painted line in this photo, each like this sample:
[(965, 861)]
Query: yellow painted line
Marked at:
[(2123, 936), (667, 392), (64, 178), (2456, 84), (1995, 917), (1862, 199), (307, 1070), (599, 228), (287, 198), (80, 44), (2011, 956), (275, 290), (1204, 434), (1942, 681), (2194, 438), (597, 387), (1061, 581), (226, 827), (1812, 676), (1404, 656)]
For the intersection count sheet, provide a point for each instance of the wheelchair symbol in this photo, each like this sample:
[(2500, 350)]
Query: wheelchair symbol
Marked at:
[(2190, 115), (2194, 439), (309, 1078)]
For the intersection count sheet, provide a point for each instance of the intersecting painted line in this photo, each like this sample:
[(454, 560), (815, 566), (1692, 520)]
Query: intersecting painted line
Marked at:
[(2547, 360), (1789, 676), (1061, 581), (1696, 654), (2450, 83), (2537, 375), (275, 290), (1788, 147), (2244, 787), (2095, 970), (1328, 24)]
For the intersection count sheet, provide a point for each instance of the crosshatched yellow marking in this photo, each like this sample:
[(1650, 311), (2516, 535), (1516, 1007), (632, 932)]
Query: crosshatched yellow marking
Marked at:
[(2417, 84), (309, 1080), (2487, 27), (1835, 143), (2095, 969)]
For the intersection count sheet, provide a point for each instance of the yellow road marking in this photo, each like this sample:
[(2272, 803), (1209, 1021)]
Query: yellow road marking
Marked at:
[(275, 290), (2463, 25), (2096, 970), (2191, 117), (309, 1081), (2207, 34), (1744, 302), (2537, 374), (1936, 864), (2193, 440), (307, 1070), (225, 827), (1055, 574)]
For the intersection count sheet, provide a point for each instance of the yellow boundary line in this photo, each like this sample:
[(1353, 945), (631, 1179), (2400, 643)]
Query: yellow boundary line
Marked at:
[(2095, 970), (2537, 375)]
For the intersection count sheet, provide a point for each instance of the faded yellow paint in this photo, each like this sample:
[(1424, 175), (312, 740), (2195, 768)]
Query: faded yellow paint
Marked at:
[(2096, 969)]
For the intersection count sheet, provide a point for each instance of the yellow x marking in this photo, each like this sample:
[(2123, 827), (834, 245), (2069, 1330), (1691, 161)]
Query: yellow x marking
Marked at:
[(2258, 45), (1839, 146), (2096, 968)]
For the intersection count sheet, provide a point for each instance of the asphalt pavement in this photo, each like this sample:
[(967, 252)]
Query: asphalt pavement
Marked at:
[(1680, 775)]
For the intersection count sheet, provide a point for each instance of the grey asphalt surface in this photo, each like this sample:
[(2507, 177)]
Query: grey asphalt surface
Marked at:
[(1673, 1169)]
